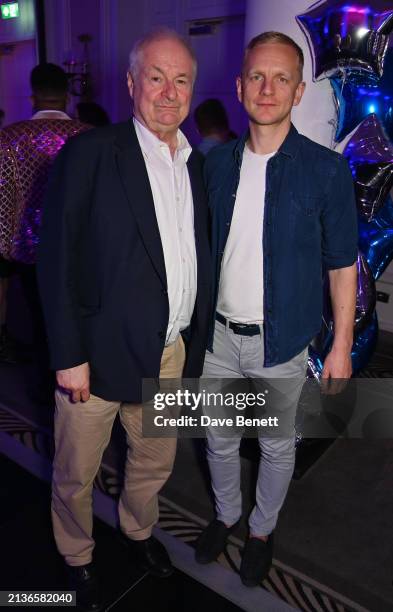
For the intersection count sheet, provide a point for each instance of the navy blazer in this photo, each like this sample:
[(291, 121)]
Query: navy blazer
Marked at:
[(101, 268)]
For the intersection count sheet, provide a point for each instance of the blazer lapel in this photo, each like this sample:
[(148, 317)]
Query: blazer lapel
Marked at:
[(199, 199), (133, 174)]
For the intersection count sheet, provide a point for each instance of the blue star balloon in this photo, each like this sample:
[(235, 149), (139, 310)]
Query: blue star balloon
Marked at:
[(364, 345), (364, 315), (376, 239), (370, 156), (342, 34), (359, 94)]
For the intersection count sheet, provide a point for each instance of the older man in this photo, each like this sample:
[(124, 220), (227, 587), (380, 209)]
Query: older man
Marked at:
[(124, 277), (283, 211)]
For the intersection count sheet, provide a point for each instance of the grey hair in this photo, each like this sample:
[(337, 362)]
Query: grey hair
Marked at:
[(159, 33)]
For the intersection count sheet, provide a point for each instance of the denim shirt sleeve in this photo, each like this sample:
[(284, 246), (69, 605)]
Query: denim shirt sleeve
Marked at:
[(339, 219)]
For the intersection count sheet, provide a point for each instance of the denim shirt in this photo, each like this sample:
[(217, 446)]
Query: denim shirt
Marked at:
[(310, 225)]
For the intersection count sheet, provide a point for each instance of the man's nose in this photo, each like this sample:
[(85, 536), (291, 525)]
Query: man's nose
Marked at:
[(267, 87), (169, 90)]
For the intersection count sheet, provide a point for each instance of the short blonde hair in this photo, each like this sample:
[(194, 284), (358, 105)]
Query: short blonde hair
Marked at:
[(275, 37)]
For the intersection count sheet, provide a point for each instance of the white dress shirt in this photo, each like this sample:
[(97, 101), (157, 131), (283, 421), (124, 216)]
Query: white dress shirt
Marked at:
[(171, 189), (240, 295)]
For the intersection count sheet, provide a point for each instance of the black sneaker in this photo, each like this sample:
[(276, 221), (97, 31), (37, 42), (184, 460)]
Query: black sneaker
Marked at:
[(256, 561), (83, 579), (212, 541)]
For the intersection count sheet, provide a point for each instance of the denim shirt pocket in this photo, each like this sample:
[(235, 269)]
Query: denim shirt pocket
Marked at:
[(305, 220)]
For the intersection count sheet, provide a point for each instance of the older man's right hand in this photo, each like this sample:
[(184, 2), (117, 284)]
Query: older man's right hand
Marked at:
[(76, 381)]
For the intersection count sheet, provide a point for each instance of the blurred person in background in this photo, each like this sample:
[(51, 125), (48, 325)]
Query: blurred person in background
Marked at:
[(27, 151), (212, 122), (92, 114)]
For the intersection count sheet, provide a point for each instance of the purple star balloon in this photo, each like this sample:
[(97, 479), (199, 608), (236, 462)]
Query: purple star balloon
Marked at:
[(365, 301), (376, 239), (370, 156), (366, 296), (344, 34)]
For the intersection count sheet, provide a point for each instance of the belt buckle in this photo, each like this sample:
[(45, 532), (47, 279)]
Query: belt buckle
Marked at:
[(244, 329)]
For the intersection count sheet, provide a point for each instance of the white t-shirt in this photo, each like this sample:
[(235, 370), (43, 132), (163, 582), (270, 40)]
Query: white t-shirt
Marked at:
[(240, 294)]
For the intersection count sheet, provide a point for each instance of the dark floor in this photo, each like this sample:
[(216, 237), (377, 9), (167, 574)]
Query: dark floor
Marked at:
[(29, 559)]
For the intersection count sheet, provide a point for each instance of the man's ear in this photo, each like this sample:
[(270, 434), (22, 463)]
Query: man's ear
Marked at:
[(239, 88), (299, 93), (130, 84)]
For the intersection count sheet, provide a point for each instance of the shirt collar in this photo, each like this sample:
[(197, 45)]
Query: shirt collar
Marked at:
[(289, 147), (291, 143), (149, 141), (50, 114)]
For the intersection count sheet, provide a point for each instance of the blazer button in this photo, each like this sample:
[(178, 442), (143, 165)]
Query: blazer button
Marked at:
[(161, 335)]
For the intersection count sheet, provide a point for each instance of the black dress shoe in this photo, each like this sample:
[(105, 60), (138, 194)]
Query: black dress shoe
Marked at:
[(212, 541), (152, 556), (83, 579), (256, 561)]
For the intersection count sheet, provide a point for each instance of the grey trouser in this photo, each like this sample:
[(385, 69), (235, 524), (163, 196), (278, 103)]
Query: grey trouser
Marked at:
[(237, 356)]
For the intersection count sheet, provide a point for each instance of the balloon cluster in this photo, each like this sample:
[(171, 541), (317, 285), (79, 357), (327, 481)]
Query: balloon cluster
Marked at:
[(349, 45)]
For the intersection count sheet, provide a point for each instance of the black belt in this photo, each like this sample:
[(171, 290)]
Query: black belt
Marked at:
[(243, 329)]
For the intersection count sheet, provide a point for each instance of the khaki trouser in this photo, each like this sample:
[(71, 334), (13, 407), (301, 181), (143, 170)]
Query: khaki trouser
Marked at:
[(82, 432)]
